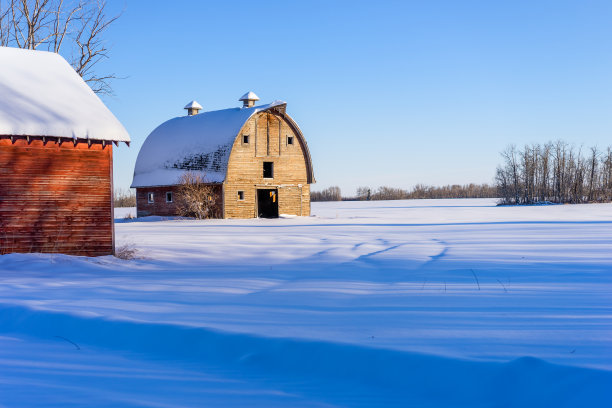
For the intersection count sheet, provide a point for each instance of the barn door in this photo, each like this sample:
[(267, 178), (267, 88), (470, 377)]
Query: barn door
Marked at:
[(267, 203)]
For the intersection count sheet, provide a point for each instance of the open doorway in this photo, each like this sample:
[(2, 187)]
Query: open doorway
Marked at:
[(267, 203)]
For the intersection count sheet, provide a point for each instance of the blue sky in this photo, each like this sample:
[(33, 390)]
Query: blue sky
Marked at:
[(387, 93)]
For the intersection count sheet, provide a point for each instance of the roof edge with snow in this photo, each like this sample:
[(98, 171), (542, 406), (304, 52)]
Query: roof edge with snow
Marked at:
[(43, 97)]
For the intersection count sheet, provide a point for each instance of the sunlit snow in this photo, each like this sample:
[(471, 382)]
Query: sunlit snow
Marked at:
[(425, 303)]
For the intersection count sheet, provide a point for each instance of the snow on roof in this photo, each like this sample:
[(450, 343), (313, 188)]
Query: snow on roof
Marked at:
[(199, 143), (192, 105), (249, 96), (42, 95)]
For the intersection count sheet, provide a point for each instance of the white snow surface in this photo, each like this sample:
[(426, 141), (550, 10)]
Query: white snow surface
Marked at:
[(199, 143), (425, 303), (42, 95)]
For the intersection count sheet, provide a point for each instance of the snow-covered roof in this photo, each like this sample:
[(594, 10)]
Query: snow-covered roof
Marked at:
[(193, 105), (249, 96), (199, 143), (42, 95)]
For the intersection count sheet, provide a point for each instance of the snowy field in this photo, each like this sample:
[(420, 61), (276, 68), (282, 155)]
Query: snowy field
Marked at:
[(426, 303)]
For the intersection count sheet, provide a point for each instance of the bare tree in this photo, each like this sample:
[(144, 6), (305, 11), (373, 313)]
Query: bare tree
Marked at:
[(364, 193), (196, 198), (512, 169), (124, 198), (329, 194), (73, 28), (606, 175), (554, 172), (593, 172)]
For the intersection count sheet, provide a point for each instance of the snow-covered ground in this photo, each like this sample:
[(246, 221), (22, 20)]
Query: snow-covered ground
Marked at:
[(429, 303)]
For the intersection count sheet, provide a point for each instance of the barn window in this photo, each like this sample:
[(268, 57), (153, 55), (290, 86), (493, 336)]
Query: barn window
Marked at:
[(150, 198), (268, 169), (241, 195), (169, 196), (289, 140), (245, 139)]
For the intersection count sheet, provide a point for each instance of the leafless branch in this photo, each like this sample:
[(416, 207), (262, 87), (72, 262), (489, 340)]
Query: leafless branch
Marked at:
[(196, 198), (81, 24)]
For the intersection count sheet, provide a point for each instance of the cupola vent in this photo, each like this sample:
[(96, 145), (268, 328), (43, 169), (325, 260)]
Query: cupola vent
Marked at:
[(193, 108), (249, 99)]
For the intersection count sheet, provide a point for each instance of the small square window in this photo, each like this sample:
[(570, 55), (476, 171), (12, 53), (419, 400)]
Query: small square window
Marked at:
[(289, 140), (150, 198), (245, 139), (241, 195), (169, 196), (268, 169)]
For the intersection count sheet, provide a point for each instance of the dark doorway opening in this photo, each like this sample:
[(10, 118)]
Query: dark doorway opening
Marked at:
[(268, 169), (267, 203)]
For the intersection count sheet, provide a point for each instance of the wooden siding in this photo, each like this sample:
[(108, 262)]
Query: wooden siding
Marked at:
[(56, 198), (274, 135), (245, 168), (160, 206), (294, 200)]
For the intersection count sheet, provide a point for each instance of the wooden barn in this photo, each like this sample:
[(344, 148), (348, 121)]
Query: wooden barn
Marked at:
[(255, 157), (56, 158)]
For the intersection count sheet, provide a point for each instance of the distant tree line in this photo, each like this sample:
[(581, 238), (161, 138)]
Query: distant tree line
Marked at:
[(420, 191), (125, 198), (554, 172), (329, 194)]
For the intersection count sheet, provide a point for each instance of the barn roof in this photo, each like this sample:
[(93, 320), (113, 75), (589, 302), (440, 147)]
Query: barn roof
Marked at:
[(200, 142), (42, 95)]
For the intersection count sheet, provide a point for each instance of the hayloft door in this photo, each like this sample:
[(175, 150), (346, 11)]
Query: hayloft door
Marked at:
[(267, 203)]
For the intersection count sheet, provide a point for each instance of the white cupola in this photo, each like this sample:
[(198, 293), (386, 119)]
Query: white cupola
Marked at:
[(249, 99), (193, 108)]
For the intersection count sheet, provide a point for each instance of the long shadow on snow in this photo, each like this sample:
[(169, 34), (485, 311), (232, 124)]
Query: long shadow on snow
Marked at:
[(204, 224), (348, 374)]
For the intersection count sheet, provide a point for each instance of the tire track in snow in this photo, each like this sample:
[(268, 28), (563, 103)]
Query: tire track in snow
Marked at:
[(435, 258), (367, 257)]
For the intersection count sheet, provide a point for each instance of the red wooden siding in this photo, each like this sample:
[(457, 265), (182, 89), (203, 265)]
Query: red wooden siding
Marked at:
[(160, 207), (55, 198)]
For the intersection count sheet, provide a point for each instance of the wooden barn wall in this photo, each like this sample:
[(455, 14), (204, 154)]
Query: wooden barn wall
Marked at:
[(267, 142), (294, 200), (55, 198), (161, 207)]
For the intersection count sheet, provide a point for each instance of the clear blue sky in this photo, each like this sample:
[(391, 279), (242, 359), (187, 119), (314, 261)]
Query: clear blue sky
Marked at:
[(387, 92)]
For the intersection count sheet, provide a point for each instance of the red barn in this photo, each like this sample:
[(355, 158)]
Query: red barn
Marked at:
[(56, 158)]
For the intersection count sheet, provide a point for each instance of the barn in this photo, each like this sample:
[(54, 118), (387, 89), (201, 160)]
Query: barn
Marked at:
[(254, 157), (56, 158)]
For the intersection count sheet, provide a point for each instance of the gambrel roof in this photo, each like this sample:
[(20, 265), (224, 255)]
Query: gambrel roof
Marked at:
[(199, 143), (42, 95)]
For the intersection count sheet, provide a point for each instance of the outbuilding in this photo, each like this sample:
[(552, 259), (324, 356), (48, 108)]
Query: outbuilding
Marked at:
[(56, 158), (255, 158)]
